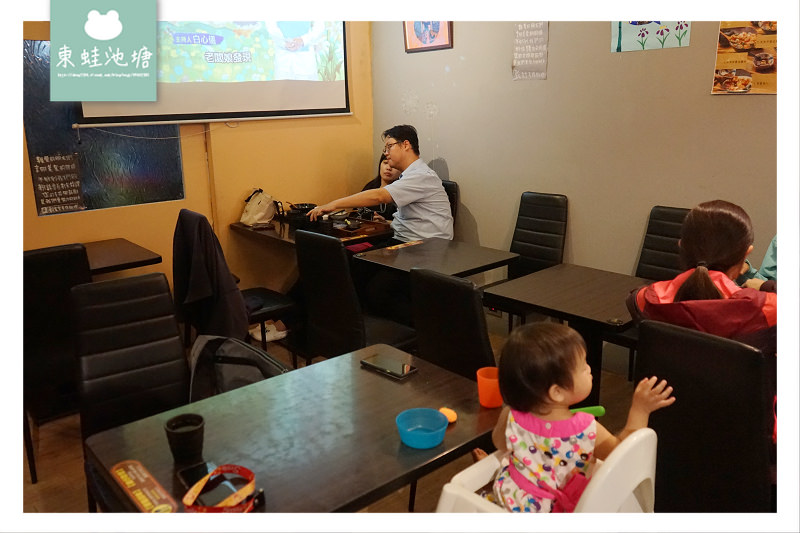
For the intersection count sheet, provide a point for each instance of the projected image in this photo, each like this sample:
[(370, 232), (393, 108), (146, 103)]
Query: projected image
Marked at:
[(221, 71), (250, 51)]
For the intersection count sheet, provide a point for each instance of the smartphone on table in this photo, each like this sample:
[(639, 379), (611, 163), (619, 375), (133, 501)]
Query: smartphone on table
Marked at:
[(389, 365)]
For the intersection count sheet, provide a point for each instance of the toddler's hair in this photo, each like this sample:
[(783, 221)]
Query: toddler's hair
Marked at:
[(535, 357)]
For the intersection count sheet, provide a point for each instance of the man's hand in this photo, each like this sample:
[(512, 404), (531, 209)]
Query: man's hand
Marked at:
[(320, 210)]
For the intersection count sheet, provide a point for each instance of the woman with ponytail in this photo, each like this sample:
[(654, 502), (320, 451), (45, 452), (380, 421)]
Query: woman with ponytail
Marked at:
[(716, 238)]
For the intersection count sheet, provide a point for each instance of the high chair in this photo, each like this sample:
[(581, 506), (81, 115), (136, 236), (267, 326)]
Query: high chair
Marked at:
[(624, 482)]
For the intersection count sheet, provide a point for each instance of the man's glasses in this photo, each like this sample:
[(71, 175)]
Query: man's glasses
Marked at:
[(389, 146)]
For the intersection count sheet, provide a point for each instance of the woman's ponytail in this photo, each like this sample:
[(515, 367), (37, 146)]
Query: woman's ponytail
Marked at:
[(715, 235), (698, 286)]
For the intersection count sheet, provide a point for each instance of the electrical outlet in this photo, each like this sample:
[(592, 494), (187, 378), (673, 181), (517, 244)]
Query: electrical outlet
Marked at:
[(494, 312)]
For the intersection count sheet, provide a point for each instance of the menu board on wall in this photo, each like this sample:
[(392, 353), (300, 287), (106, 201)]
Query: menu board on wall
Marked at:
[(530, 51), (56, 183), (747, 58)]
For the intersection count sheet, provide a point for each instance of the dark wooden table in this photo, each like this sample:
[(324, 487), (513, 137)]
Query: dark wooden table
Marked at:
[(441, 255), (319, 439), (279, 231), (592, 301), (111, 255)]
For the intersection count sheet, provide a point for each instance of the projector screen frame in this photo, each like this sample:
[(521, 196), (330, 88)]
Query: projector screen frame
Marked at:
[(83, 121)]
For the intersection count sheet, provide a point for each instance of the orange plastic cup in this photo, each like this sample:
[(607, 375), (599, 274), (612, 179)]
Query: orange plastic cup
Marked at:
[(488, 387)]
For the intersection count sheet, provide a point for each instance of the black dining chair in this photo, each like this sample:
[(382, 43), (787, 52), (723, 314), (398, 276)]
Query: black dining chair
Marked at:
[(450, 322), (335, 323), (539, 235), (130, 358), (49, 385), (659, 260), (453, 194), (206, 295), (715, 450)]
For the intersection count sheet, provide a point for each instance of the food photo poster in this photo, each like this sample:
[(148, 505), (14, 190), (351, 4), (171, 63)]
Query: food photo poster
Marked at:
[(747, 58)]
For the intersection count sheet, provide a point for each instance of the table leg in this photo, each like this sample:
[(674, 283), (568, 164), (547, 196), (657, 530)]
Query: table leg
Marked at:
[(594, 356), (412, 495)]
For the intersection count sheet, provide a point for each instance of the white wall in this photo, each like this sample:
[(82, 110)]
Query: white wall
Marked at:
[(616, 132)]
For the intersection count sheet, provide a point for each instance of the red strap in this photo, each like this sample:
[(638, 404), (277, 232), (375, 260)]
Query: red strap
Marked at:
[(238, 502), (564, 501)]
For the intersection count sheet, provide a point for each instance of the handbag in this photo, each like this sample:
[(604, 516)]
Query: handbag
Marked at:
[(259, 208)]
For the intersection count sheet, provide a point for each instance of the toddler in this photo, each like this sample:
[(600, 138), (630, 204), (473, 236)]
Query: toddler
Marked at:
[(542, 372)]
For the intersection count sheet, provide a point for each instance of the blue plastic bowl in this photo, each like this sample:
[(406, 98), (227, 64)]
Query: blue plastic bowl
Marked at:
[(421, 427)]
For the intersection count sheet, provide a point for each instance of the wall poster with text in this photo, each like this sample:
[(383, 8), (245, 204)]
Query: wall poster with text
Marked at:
[(747, 58), (530, 51)]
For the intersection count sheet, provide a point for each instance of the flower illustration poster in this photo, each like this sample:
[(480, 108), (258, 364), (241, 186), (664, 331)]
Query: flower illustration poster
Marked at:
[(103, 50), (633, 36)]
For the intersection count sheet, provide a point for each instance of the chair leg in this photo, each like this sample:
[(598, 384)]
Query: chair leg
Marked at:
[(631, 363), (187, 334), (264, 336), (91, 501), (29, 452)]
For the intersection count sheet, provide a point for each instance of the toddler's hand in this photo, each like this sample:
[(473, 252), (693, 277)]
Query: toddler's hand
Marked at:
[(651, 395)]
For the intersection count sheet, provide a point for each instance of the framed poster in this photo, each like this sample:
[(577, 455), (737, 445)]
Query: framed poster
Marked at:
[(422, 36)]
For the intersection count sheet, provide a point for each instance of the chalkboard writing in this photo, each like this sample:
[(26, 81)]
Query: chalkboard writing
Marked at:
[(56, 183)]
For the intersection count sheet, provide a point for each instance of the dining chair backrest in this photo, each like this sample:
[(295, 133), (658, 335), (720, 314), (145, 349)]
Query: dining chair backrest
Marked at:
[(719, 386), (48, 346), (130, 354), (539, 233), (450, 322), (334, 320), (451, 188), (659, 258)]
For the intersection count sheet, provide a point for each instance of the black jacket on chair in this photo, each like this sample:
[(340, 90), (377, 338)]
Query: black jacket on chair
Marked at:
[(205, 291)]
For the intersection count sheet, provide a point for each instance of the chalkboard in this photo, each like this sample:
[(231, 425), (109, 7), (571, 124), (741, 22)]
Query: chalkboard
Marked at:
[(92, 168)]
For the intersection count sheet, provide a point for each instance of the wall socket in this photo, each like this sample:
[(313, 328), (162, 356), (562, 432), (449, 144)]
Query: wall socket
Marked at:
[(491, 311)]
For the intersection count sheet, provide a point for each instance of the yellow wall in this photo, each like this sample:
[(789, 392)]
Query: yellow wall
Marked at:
[(294, 160)]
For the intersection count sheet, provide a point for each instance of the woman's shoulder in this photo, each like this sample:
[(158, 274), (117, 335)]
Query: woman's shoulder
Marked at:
[(374, 183)]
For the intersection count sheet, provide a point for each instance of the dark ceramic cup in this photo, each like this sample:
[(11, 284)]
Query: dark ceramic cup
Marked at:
[(185, 437)]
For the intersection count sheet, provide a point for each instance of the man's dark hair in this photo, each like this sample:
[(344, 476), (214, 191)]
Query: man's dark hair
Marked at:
[(402, 133)]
